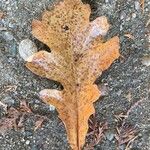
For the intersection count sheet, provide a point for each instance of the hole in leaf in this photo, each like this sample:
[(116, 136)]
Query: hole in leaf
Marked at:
[(66, 28), (41, 46)]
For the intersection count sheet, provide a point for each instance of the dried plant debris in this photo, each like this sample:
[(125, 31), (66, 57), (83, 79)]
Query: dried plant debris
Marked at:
[(14, 118), (9, 122), (79, 55), (24, 107), (126, 135), (10, 88), (95, 133), (39, 123)]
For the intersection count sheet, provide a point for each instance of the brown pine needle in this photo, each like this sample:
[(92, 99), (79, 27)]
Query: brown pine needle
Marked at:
[(130, 36), (142, 2)]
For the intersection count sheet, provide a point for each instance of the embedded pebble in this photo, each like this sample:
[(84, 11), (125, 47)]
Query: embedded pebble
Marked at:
[(27, 48), (146, 60)]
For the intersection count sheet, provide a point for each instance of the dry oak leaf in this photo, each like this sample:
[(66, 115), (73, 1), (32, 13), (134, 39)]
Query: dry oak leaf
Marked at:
[(78, 57)]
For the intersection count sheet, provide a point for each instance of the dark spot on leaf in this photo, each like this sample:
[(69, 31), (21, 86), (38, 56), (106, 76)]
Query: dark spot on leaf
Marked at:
[(66, 28)]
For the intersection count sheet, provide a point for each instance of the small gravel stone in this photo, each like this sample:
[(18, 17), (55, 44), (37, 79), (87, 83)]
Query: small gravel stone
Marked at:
[(133, 15), (8, 36), (110, 136), (52, 108), (122, 16), (128, 19), (22, 140), (13, 48), (12, 25), (122, 147), (140, 144), (137, 5), (27, 48), (27, 142), (121, 27)]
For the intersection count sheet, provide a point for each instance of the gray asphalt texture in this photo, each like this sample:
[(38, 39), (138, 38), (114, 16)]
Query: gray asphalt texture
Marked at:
[(127, 80)]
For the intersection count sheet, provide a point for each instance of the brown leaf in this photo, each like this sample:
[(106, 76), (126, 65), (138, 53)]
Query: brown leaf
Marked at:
[(78, 57)]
